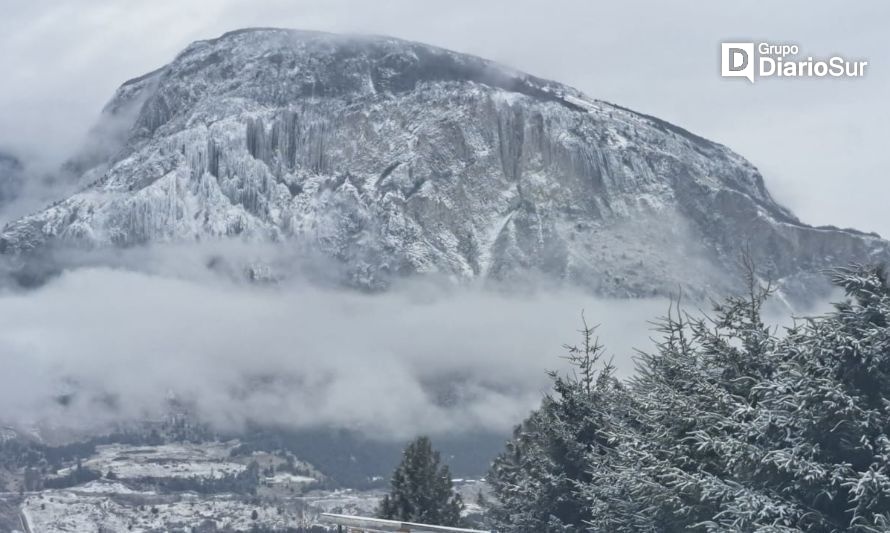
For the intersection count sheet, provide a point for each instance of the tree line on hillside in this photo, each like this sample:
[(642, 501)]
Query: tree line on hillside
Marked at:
[(727, 425)]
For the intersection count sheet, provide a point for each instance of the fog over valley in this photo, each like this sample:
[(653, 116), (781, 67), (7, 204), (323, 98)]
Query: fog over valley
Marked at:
[(118, 344)]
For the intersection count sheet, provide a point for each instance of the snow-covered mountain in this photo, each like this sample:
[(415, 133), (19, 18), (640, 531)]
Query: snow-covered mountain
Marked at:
[(398, 158)]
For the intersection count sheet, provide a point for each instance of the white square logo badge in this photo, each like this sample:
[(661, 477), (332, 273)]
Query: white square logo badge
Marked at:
[(737, 60)]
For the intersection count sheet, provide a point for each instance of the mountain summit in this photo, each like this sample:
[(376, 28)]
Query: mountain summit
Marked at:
[(397, 158)]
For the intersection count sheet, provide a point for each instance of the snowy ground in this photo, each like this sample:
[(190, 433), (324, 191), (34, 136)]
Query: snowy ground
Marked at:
[(346, 501), (124, 504), (165, 461), (285, 478), (112, 506), (364, 503), (104, 506)]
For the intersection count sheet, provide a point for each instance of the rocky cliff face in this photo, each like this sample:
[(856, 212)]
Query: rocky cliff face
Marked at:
[(398, 158)]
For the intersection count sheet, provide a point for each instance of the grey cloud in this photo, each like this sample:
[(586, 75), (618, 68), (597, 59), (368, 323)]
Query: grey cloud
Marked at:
[(119, 344), (118, 334)]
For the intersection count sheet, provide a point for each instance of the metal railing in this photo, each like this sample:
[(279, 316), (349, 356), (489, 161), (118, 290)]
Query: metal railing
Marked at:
[(347, 523)]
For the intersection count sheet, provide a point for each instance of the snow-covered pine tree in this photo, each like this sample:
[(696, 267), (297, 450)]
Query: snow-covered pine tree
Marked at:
[(536, 480), (686, 452), (421, 489), (742, 431), (823, 418), (725, 427)]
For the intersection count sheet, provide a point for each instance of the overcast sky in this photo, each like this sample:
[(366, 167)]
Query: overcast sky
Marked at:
[(820, 144)]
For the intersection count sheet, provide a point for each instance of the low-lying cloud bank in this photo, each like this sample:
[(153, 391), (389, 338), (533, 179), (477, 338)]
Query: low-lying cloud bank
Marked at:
[(99, 344)]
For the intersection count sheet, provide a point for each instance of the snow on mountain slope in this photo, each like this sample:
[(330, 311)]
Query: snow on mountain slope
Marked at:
[(398, 158)]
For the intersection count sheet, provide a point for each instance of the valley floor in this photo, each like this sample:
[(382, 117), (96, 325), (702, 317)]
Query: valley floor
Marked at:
[(187, 487)]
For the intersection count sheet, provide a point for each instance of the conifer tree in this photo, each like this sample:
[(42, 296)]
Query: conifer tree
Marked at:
[(421, 489), (726, 426), (536, 481)]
